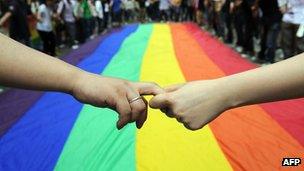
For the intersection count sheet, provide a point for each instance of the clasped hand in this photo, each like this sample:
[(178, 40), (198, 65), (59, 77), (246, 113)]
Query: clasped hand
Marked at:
[(193, 104)]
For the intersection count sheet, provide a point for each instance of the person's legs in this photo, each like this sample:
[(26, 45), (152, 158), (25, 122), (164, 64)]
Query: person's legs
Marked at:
[(51, 43), (106, 20), (43, 36), (227, 23), (71, 29), (299, 45), (264, 34), (248, 35), (238, 29), (287, 39), (271, 43)]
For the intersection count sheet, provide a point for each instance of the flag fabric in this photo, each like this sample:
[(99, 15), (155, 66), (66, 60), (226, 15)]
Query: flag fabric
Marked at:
[(52, 131)]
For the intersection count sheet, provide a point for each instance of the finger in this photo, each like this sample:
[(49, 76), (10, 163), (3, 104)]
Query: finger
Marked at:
[(160, 101), (124, 109), (146, 88), (137, 107), (173, 87), (168, 112), (143, 116)]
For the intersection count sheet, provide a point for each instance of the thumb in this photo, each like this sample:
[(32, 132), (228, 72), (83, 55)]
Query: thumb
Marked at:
[(160, 101), (147, 88)]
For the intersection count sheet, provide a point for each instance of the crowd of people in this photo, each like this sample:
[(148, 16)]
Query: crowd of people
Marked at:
[(272, 23)]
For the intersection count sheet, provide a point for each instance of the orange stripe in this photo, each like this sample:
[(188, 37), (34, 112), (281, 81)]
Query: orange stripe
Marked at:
[(249, 137)]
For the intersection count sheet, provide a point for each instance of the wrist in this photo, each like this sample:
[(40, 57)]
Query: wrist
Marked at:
[(77, 80), (230, 93)]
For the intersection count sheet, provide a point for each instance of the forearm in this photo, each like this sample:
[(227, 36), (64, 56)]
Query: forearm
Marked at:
[(5, 17), (280, 81), (23, 67)]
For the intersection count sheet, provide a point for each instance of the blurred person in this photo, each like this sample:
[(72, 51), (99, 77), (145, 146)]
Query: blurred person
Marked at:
[(80, 25), (141, 10), (292, 27), (227, 20), (106, 9), (164, 9), (34, 7), (199, 7), (189, 13), (94, 18), (271, 23), (116, 12), (65, 12), (218, 20), (244, 25), (88, 18), (129, 9), (100, 15), (154, 4), (16, 15), (175, 10), (45, 28)]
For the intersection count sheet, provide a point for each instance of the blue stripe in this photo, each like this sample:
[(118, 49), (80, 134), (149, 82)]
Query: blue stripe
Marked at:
[(36, 141)]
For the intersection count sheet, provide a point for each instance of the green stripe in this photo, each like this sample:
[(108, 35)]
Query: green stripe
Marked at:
[(95, 143)]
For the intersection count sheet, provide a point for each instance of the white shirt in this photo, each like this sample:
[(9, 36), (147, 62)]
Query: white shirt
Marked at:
[(67, 10), (164, 5), (99, 9), (107, 8), (45, 23), (295, 11), (129, 4)]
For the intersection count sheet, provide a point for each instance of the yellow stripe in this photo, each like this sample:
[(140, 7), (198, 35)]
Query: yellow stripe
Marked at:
[(164, 144)]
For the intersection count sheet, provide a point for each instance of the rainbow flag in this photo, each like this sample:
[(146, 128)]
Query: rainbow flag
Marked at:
[(52, 131)]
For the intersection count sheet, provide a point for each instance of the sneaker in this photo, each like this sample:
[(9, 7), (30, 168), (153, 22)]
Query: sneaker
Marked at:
[(61, 46), (239, 49), (75, 47), (244, 55)]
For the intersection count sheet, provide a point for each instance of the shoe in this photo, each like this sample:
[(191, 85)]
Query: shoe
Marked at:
[(239, 49), (75, 47), (61, 46), (244, 55)]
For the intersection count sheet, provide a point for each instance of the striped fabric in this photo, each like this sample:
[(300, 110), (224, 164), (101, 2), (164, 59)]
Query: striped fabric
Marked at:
[(52, 131)]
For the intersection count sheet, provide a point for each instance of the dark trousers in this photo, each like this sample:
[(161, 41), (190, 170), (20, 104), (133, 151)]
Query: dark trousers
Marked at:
[(49, 42), (106, 20), (71, 31), (245, 29), (100, 24), (88, 27), (270, 32), (219, 24), (165, 14), (228, 19), (175, 13), (291, 44), (189, 13)]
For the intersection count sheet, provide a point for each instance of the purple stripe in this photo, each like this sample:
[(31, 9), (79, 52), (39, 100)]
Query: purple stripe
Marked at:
[(15, 102)]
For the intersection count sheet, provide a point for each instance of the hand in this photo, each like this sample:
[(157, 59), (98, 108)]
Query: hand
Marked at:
[(115, 94), (194, 104)]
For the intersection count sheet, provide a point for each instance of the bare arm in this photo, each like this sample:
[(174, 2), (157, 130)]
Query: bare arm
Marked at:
[(5, 17), (280, 81), (197, 103), (26, 68), (23, 67)]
